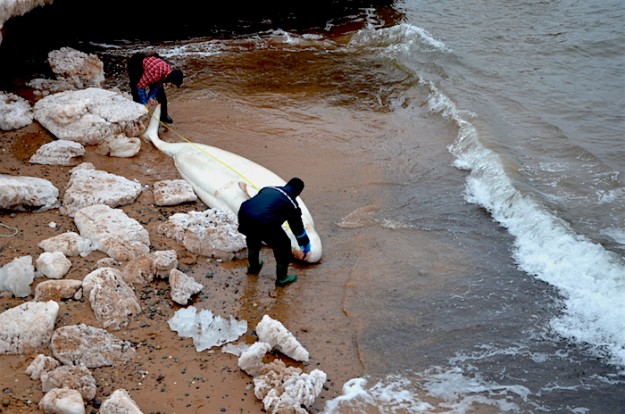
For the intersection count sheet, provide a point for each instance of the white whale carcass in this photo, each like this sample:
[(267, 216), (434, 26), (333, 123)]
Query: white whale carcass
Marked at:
[(223, 180)]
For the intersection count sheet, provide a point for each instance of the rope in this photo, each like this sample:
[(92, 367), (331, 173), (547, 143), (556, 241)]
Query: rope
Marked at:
[(9, 228), (207, 153)]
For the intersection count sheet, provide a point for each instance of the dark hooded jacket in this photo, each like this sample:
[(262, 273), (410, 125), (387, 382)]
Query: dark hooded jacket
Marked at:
[(270, 208)]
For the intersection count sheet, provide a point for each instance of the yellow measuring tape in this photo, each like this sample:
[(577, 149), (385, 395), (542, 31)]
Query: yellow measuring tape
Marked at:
[(207, 153)]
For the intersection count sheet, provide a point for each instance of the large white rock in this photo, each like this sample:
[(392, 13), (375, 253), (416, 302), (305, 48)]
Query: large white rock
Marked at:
[(15, 112), (78, 378), (120, 402), (27, 326), (42, 363), (119, 146), (90, 115), (112, 232), (211, 233), (53, 264), (17, 275), (90, 346), (27, 193), (58, 290), (114, 303), (82, 70), (183, 287), (275, 334), (69, 243), (251, 359), (88, 187), (172, 192), (60, 152), (287, 389), (62, 401), (9, 9)]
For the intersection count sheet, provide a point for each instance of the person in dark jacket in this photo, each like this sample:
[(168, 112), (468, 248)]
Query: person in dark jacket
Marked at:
[(147, 75), (260, 220)]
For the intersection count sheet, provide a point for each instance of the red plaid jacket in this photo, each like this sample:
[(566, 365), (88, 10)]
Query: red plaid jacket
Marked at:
[(155, 70)]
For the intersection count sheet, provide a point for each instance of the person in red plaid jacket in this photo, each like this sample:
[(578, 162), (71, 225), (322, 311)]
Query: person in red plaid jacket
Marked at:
[(148, 74)]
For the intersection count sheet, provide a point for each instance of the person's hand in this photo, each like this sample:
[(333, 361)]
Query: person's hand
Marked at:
[(306, 249)]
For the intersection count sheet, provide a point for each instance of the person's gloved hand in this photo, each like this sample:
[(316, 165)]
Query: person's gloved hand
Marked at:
[(306, 249)]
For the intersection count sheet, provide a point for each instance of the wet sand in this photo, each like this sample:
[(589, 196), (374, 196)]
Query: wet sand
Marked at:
[(167, 374)]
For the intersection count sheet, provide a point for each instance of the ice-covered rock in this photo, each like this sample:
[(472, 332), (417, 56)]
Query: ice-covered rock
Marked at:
[(53, 264), (91, 115), (275, 334), (119, 146), (114, 303), (285, 389), (69, 243), (27, 193), (60, 152), (251, 359), (88, 186), (15, 112), (120, 402), (17, 275), (183, 287), (81, 69), (27, 326), (206, 329), (58, 290), (62, 401), (78, 378), (42, 363), (90, 346), (142, 270), (173, 192), (211, 233), (112, 232)]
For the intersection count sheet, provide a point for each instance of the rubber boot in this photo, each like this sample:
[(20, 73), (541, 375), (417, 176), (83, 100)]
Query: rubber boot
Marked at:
[(254, 265), (283, 278)]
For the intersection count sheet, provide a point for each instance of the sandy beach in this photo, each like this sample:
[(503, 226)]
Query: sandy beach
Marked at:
[(168, 375)]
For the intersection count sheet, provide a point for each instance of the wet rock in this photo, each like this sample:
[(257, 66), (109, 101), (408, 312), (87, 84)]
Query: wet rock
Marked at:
[(112, 232), (173, 192), (27, 326), (91, 346), (114, 303), (88, 116), (27, 193), (15, 112), (61, 152), (57, 290), (88, 187)]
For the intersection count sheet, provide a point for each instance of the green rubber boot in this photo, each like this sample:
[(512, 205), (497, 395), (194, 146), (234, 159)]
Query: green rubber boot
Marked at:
[(254, 264), (283, 278)]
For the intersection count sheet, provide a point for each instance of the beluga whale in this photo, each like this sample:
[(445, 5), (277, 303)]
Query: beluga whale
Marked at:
[(223, 180)]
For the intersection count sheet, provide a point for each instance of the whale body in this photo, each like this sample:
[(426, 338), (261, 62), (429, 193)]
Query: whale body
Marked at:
[(223, 180)]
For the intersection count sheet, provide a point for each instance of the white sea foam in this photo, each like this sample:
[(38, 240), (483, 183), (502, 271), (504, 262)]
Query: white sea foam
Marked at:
[(591, 278)]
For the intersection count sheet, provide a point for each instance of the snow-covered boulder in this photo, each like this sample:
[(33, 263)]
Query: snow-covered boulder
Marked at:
[(88, 116), (27, 193), (60, 152), (112, 232), (15, 112), (27, 326), (88, 186)]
